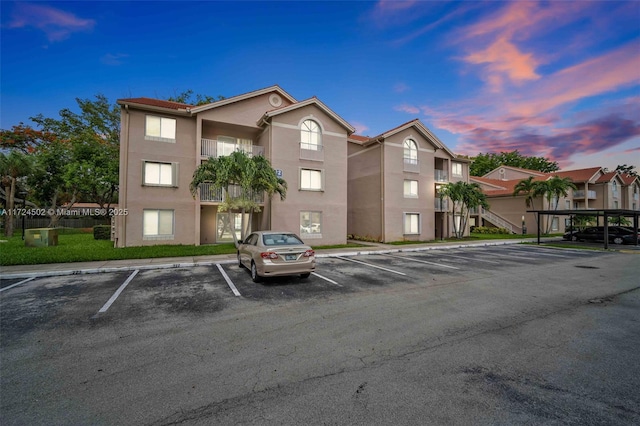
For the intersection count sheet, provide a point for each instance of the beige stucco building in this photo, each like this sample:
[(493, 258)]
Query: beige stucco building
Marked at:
[(596, 189), (393, 184), (163, 142)]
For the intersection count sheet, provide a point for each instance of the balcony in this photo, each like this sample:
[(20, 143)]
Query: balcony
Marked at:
[(211, 195), (441, 175), (215, 148), (309, 151), (411, 165), (441, 205), (591, 195)]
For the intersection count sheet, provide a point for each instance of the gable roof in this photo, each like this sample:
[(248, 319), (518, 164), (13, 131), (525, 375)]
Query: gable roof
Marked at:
[(628, 179), (157, 103), (518, 169), (580, 175), (311, 101), (245, 96)]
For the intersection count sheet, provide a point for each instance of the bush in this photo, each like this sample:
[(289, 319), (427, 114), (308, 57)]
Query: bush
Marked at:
[(102, 232), (490, 230)]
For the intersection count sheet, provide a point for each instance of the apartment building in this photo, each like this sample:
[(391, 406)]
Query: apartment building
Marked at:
[(163, 142), (393, 182), (596, 189)]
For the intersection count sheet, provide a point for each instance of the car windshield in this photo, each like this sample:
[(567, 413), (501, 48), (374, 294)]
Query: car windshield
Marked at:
[(280, 239)]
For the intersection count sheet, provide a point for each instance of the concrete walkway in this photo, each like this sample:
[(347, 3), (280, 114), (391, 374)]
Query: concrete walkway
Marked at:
[(57, 269)]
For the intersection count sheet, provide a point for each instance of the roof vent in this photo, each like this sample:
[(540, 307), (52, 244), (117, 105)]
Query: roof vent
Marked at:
[(275, 100)]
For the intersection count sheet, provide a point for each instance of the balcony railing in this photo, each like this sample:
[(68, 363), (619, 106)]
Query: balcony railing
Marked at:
[(441, 205), (215, 148), (309, 151), (441, 175), (581, 193), (411, 165), (210, 194)]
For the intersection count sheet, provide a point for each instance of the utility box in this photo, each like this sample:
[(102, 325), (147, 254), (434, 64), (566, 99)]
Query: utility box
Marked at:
[(41, 237)]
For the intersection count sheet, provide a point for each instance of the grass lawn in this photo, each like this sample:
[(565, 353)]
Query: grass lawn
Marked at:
[(472, 237), (76, 246)]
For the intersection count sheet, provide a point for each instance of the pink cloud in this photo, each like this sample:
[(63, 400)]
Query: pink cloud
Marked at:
[(410, 109), (55, 23), (400, 88), (360, 128)]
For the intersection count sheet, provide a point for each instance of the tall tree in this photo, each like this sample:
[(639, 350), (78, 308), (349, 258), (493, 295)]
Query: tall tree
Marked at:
[(530, 189), (188, 97), (242, 178), (484, 163), (13, 166), (627, 170), (552, 189), (464, 196)]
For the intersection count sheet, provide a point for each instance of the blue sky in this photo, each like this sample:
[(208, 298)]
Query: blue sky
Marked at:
[(557, 79)]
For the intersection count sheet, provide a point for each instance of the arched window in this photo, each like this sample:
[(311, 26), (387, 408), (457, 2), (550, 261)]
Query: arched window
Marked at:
[(310, 136), (410, 151)]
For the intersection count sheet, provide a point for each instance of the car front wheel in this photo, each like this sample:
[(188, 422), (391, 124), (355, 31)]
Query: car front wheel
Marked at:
[(254, 273), (305, 275), (617, 240)]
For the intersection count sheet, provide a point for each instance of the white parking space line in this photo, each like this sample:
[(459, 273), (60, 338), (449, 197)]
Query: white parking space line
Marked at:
[(326, 279), (540, 253), (369, 264), (228, 280), (509, 256), (118, 291), (16, 284), (420, 261), (473, 259)]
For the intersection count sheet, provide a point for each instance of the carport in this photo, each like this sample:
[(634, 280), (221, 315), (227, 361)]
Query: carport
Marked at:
[(605, 213)]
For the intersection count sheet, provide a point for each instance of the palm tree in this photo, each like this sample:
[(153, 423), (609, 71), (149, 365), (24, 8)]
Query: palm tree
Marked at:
[(12, 167), (247, 176), (464, 196), (530, 189), (554, 188)]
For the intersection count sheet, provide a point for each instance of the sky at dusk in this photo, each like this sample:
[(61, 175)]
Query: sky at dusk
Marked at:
[(559, 79)]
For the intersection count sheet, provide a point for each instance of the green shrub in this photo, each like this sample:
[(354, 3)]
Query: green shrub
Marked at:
[(102, 232), (490, 230)]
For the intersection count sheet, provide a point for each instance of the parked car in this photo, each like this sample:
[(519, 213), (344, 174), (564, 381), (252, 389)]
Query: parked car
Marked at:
[(630, 239), (596, 233), (571, 235), (272, 253)]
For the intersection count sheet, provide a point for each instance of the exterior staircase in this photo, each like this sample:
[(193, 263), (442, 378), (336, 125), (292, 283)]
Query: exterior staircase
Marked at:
[(499, 221)]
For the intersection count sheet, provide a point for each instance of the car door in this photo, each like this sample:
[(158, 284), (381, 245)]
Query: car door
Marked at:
[(247, 248)]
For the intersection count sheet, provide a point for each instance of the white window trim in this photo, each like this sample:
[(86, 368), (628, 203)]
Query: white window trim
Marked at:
[(417, 188), (160, 237), (312, 234), (309, 146), (160, 138), (321, 189), (410, 160), (453, 172), (404, 219), (174, 174)]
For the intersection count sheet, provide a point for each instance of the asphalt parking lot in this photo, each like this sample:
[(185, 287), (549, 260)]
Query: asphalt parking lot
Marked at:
[(51, 323)]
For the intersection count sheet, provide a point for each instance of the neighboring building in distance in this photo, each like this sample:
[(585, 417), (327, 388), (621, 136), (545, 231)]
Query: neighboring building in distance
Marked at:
[(596, 190), (393, 184)]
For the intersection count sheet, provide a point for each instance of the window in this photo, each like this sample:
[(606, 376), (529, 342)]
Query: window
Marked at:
[(157, 224), (160, 129), (616, 205), (410, 151), (411, 189), (159, 174), (456, 169), (567, 204), (311, 179), (555, 224), (411, 223), (311, 223), (227, 144), (310, 136)]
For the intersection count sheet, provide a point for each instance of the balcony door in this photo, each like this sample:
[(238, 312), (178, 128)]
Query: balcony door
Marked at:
[(228, 144)]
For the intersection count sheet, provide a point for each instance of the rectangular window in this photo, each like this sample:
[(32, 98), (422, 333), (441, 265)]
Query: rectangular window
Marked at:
[(159, 174), (555, 224), (456, 169), (157, 224), (410, 188), (161, 129), (567, 204), (616, 205), (311, 179), (311, 223), (411, 223)]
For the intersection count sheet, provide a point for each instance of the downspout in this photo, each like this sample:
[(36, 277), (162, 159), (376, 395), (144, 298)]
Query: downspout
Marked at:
[(124, 149), (382, 198)]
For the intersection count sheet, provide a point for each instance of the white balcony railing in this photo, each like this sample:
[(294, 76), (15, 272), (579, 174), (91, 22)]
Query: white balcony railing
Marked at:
[(310, 151), (210, 194), (441, 205), (215, 148), (581, 193), (441, 175), (411, 165)]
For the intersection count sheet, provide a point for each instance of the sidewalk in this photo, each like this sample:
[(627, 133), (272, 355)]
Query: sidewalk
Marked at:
[(59, 269)]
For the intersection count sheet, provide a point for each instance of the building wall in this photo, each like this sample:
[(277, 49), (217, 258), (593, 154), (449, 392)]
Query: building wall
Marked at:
[(364, 191), (286, 156), (138, 197)]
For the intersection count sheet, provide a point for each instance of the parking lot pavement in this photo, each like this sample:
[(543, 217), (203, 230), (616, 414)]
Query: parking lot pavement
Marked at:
[(506, 334)]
